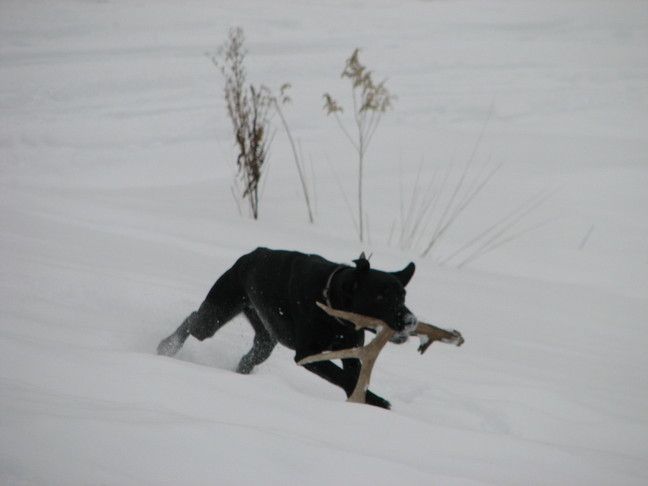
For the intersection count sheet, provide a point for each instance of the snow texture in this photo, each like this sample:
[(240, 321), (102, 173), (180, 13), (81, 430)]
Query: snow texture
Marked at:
[(116, 161)]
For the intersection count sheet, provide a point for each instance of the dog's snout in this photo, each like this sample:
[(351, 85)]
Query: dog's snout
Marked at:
[(409, 321), (399, 338), (406, 323)]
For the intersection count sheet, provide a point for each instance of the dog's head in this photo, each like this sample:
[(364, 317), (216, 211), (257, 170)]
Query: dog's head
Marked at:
[(379, 294)]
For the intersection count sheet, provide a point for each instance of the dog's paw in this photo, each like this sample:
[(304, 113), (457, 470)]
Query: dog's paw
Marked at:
[(375, 400), (244, 368), (170, 346)]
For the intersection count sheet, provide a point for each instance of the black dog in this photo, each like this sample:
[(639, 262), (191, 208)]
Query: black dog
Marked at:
[(277, 291)]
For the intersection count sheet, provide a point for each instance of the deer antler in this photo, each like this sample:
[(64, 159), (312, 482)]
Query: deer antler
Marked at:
[(369, 354), (428, 333), (366, 354)]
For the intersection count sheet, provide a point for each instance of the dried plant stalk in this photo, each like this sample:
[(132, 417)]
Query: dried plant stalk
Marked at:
[(248, 108), (370, 101), (278, 102)]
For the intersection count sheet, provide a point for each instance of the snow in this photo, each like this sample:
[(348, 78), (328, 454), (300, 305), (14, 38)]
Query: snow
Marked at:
[(116, 165)]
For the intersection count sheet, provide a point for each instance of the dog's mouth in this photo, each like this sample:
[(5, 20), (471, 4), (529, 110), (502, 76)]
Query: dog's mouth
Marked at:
[(399, 338), (410, 321)]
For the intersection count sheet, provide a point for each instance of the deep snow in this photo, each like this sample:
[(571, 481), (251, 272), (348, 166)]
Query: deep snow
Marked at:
[(117, 216)]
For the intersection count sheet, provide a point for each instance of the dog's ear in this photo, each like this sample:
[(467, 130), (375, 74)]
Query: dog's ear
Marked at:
[(362, 263), (405, 274)]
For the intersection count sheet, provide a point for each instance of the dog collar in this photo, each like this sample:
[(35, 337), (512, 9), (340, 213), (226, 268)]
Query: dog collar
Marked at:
[(326, 293)]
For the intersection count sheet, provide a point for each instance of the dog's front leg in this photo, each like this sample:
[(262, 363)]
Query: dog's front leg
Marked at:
[(330, 372), (344, 378), (353, 366)]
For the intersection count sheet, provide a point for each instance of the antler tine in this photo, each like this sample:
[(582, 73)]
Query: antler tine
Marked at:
[(429, 333), (366, 354)]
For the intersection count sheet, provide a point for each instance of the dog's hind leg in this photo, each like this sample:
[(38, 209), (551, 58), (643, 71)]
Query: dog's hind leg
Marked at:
[(202, 324), (225, 300), (170, 345), (263, 345)]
